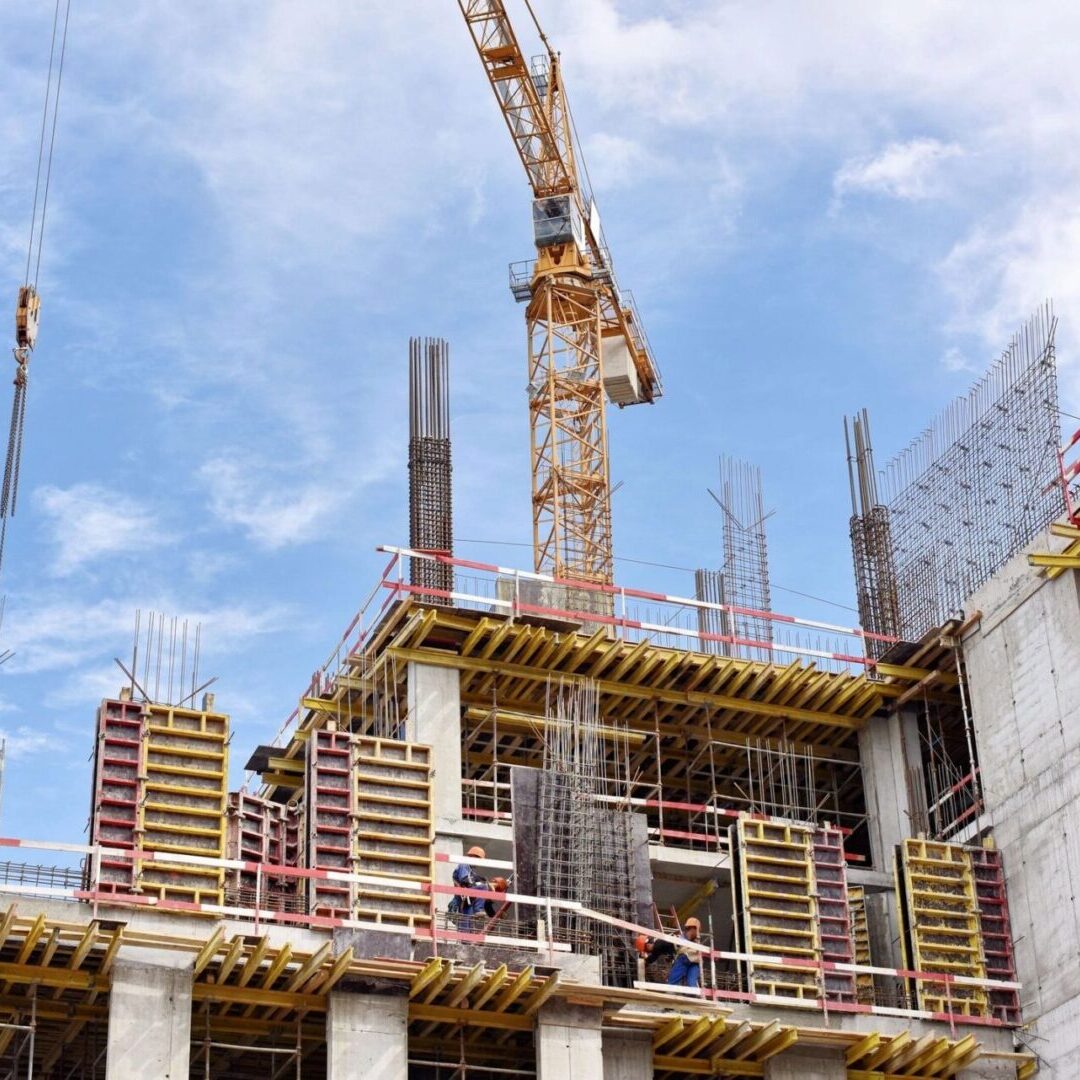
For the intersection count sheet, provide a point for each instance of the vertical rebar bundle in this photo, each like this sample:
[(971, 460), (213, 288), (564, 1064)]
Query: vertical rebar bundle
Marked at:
[(430, 492), (871, 540), (585, 848), (171, 651), (709, 587), (744, 580), (973, 489)]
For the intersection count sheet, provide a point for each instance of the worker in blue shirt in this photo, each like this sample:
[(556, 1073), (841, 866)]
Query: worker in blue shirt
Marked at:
[(466, 878), (686, 971)]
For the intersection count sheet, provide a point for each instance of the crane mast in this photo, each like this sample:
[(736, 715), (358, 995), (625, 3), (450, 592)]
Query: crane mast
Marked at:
[(585, 342)]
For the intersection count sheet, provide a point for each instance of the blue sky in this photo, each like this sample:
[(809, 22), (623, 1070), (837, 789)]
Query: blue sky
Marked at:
[(818, 206)]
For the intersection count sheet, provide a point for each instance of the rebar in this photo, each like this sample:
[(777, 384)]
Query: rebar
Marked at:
[(585, 849), (964, 496), (871, 540), (430, 489), (744, 580)]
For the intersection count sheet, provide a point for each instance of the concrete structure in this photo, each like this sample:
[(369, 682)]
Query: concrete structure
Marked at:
[(1023, 664), (408, 750), (149, 1016), (569, 1042), (367, 1036)]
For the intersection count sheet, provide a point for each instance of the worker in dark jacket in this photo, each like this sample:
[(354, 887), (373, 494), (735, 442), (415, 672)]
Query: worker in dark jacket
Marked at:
[(467, 878)]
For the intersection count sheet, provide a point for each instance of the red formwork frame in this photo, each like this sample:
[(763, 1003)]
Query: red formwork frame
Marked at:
[(118, 791), (834, 914), (330, 810), (996, 931)]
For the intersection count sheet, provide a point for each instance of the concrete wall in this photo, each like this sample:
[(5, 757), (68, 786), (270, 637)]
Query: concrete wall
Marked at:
[(1023, 663), (434, 718)]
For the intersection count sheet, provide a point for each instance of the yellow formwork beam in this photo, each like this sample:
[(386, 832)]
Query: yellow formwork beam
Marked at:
[(470, 1017), (632, 690), (714, 1067)]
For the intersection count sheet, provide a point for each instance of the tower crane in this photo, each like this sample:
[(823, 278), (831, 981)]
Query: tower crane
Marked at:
[(586, 342), (28, 304)]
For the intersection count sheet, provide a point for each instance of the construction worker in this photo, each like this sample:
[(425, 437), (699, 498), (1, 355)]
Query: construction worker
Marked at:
[(686, 971), (496, 885), (466, 878)]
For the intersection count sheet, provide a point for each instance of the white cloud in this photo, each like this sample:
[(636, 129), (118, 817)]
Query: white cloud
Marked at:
[(25, 741), (91, 522), (954, 359), (63, 634), (273, 509), (902, 170), (617, 161)]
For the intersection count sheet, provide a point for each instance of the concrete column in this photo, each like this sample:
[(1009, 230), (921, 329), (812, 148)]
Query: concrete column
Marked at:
[(628, 1055), (435, 719), (888, 748), (796, 1064), (367, 1037), (568, 1042), (149, 1015)]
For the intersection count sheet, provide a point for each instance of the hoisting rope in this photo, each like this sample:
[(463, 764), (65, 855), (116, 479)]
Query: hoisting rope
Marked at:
[(26, 316)]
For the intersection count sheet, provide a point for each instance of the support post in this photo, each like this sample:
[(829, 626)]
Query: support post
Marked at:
[(150, 1015), (367, 1036), (888, 750), (628, 1055), (807, 1064), (435, 719), (568, 1042)]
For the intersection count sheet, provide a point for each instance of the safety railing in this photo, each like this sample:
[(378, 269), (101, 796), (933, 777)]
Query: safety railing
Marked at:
[(538, 912), (634, 615)]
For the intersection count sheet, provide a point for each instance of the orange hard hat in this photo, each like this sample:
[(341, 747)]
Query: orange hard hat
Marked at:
[(477, 851), (641, 943), (692, 921), (498, 884)]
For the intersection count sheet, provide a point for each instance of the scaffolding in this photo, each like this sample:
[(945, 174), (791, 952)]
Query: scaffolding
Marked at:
[(430, 491), (744, 580), (964, 496)]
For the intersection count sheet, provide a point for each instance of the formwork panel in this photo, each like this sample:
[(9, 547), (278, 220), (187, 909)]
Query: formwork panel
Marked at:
[(159, 786), (996, 931), (369, 813), (117, 789), (942, 931), (262, 831), (329, 820), (394, 837), (834, 913), (776, 906), (860, 942)]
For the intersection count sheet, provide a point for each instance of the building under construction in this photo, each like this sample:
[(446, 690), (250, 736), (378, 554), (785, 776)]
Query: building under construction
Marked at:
[(873, 824), (541, 823)]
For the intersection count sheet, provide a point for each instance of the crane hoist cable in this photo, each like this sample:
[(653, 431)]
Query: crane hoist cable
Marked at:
[(28, 306)]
